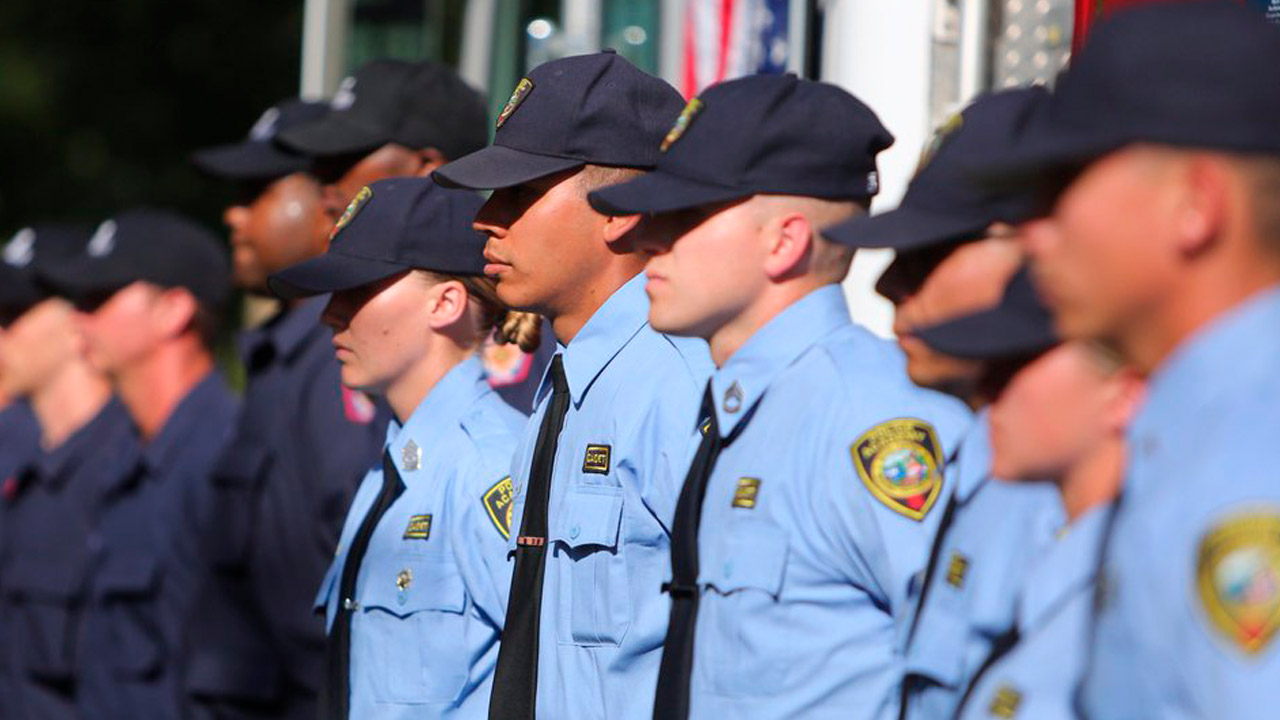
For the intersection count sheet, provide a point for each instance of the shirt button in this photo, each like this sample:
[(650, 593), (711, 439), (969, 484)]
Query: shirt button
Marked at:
[(350, 604), (574, 532), (400, 598)]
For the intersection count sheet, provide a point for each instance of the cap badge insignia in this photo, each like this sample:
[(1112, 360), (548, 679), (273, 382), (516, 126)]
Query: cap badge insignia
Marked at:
[(361, 199), (900, 463), (265, 128), (682, 124), (517, 96), (410, 456), (21, 250), (345, 96), (499, 501), (103, 240), (939, 138), (1238, 576)]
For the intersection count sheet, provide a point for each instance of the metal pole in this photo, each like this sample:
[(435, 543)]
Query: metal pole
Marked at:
[(974, 18), (324, 34)]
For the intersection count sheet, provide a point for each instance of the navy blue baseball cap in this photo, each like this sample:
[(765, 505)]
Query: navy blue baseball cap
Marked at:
[(417, 105), (258, 157), (28, 250), (160, 247), (943, 204), (1196, 74), (773, 134), (1018, 326), (392, 226), (594, 109)]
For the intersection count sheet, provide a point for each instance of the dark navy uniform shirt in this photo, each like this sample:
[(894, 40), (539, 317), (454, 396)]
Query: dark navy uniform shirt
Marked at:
[(146, 571), (281, 491), (19, 439), (50, 536)]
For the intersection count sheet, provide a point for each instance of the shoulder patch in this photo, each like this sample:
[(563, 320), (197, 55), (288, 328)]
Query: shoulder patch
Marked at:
[(357, 407), (596, 459), (517, 96), (1005, 703), (745, 495), (1238, 577), (419, 528), (504, 364), (361, 199), (498, 502), (900, 462), (682, 123)]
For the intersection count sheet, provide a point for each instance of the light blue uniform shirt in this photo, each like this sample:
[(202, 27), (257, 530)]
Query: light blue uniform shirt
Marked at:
[(817, 514), (619, 466), (1191, 585), (1038, 677), (431, 590), (997, 531)]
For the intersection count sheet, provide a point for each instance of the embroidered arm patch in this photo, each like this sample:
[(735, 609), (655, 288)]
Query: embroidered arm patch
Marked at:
[(900, 463), (1238, 578), (498, 502)]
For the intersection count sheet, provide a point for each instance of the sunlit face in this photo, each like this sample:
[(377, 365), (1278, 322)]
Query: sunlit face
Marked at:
[(381, 330), (970, 278), (279, 224), (1103, 255), (705, 266), (37, 346), (343, 176), (543, 244), (1052, 413), (124, 329)]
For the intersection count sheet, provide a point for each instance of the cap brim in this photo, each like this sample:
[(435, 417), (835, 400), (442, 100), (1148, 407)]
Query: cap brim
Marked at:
[(81, 278), (908, 228), (659, 192), (498, 166), (328, 273), (248, 161), (1042, 149), (332, 135), (995, 333)]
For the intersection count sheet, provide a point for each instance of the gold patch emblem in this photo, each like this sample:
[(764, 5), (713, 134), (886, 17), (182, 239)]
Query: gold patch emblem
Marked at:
[(596, 460), (498, 502), (899, 461), (956, 570), (419, 528), (939, 138), (1238, 576), (745, 495), (1005, 703), (682, 124), (361, 199), (404, 579), (517, 96)]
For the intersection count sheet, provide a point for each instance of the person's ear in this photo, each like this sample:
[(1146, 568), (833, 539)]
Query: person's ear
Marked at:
[(1202, 203), (790, 245), (429, 159), (1129, 391), (174, 311), (617, 229), (446, 305)]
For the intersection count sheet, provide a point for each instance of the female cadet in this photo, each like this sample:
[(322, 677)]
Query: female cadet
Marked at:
[(415, 598), (1059, 414)]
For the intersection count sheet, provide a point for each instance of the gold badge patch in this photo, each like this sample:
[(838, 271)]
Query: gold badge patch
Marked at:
[(361, 199), (419, 528), (1005, 703), (956, 569), (745, 495), (596, 460), (940, 136), (517, 96), (900, 463), (1238, 576), (498, 502), (682, 123)]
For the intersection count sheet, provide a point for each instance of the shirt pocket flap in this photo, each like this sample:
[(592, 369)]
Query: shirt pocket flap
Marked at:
[(45, 578), (405, 584), (752, 554), (588, 515), (128, 574)]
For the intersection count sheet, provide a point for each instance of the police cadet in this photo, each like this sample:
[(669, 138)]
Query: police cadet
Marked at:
[(302, 442), (1164, 244), (399, 119), (150, 285), (811, 500), (1058, 415), (19, 429), (955, 254), (86, 442), (414, 597), (596, 474)]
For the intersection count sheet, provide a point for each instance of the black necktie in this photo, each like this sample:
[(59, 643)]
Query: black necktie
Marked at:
[(672, 701), (515, 681), (337, 691)]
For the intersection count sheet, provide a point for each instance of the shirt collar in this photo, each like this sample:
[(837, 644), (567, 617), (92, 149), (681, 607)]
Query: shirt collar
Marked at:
[(441, 410), (184, 423), (609, 330), (56, 465), (1067, 567), (743, 380), (288, 331)]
